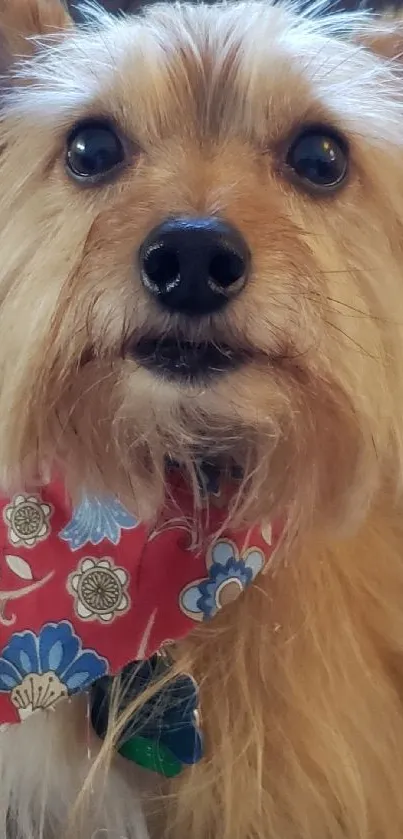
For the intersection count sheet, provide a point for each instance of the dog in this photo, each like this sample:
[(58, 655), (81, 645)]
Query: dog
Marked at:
[(201, 238)]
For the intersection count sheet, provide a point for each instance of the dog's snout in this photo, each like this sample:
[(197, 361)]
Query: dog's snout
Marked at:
[(194, 265)]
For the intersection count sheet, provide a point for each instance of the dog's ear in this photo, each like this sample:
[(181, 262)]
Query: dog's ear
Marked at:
[(385, 37), (21, 20)]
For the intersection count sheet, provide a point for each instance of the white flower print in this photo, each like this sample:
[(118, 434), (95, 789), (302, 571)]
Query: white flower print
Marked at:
[(99, 589), (28, 520)]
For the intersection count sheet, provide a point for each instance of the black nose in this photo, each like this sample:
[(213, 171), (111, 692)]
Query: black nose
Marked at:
[(194, 265)]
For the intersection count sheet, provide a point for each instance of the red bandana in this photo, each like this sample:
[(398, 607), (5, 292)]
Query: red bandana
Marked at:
[(85, 591)]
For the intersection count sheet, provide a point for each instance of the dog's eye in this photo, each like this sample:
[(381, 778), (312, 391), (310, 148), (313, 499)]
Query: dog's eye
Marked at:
[(94, 150), (319, 158)]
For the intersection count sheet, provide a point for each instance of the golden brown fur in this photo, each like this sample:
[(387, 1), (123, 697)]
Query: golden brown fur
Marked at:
[(302, 680)]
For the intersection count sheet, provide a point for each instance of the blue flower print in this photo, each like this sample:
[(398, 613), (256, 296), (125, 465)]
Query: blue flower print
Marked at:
[(38, 670), (95, 520), (229, 573)]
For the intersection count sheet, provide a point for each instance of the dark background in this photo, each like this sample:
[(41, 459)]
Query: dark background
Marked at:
[(134, 5)]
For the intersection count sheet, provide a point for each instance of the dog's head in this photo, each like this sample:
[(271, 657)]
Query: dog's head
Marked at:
[(201, 251)]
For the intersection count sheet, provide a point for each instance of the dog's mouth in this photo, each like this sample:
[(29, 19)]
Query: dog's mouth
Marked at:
[(183, 359)]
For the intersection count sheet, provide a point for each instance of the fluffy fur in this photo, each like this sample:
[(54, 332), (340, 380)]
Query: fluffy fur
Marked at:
[(302, 680)]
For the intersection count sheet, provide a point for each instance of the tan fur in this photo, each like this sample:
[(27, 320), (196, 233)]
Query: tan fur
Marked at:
[(301, 681), (20, 21)]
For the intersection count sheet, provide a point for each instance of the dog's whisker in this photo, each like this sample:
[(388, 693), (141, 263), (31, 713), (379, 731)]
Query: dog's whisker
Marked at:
[(352, 341)]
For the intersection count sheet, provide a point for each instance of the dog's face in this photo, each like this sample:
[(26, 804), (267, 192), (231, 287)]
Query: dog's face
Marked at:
[(200, 238)]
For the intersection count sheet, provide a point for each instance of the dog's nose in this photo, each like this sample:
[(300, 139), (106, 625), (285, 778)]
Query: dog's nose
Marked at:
[(194, 265)]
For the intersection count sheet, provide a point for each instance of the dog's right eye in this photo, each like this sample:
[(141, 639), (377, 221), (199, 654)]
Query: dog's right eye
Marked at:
[(318, 157), (94, 151)]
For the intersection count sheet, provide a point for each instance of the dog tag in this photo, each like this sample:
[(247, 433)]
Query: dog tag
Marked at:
[(163, 735)]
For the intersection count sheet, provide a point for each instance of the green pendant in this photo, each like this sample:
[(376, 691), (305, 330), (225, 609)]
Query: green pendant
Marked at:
[(151, 755)]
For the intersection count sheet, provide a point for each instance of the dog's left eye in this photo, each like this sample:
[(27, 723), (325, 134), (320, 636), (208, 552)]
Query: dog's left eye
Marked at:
[(94, 150)]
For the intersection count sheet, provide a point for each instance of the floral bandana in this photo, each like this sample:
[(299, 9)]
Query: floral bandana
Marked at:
[(85, 591)]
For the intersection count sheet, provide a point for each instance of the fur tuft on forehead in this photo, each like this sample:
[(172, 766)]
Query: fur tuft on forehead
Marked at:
[(257, 71)]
